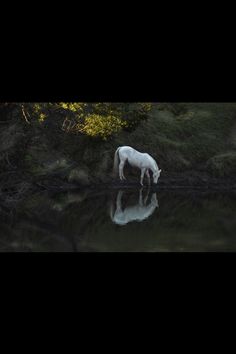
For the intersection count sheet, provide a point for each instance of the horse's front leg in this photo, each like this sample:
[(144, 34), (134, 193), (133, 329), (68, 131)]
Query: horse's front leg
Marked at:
[(142, 175), (148, 176), (146, 198)]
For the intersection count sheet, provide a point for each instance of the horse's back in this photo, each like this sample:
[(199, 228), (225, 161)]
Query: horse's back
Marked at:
[(129, 149), (136, 158), (126, 148)]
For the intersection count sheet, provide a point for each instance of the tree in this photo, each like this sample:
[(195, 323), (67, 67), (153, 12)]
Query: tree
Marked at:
[(101, 120)]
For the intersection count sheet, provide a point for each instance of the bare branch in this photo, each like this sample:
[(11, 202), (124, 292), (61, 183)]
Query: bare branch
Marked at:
[(24, 114)]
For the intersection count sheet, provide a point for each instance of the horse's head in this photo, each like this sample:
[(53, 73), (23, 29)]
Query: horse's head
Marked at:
[(156, 176)]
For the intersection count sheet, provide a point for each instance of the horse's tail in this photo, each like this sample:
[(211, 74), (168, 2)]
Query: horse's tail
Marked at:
[(116, 162)]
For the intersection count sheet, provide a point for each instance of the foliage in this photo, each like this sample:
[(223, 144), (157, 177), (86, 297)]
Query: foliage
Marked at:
[(99, 126), (100, 120)]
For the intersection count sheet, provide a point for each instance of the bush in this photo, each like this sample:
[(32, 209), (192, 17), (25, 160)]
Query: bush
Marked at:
[(223, 165), (96, 125)]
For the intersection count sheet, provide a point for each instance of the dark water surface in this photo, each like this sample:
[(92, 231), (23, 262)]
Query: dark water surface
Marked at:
[(122, 220)]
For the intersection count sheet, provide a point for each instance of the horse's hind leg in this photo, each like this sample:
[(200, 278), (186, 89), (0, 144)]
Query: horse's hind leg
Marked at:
[(123, 174), (121, 167), (142, 175)]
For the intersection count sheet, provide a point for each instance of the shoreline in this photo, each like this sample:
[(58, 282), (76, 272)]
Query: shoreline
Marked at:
[(168, 183), (54, 184), (12, 198)]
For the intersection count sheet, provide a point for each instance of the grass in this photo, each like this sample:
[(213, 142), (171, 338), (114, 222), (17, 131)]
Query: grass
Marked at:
[(223, 164), (197, 139)]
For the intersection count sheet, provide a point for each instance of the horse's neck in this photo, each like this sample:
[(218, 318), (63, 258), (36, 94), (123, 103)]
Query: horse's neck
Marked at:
[(149, 208), (154, 166)]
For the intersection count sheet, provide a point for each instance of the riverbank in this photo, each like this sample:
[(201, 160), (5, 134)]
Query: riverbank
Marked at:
[(11, 195)]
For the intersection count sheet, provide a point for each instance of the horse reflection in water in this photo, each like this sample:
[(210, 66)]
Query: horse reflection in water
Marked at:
[(138, 212)]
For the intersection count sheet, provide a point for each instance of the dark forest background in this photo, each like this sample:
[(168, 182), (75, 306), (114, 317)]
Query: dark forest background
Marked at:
[(52, 144)]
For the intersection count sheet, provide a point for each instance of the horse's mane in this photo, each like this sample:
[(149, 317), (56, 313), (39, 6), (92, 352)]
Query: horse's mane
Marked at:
[(155, 163)]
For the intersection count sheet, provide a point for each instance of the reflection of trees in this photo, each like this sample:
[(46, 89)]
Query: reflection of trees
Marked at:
[(60, 222), (45, 224), (189, 221)]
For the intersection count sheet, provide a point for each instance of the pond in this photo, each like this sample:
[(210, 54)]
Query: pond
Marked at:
[(122, 220)]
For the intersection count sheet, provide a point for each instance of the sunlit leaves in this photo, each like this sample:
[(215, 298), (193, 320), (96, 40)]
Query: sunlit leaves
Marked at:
[(42, 117), (100, 119), (75, 107), (101, 126)]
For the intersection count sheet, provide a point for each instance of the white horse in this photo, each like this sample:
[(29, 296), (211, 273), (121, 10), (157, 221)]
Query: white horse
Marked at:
[(136, 159), (138, 212)]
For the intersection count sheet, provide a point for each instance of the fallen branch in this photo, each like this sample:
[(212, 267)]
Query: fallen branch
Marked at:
[(24, 114)]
